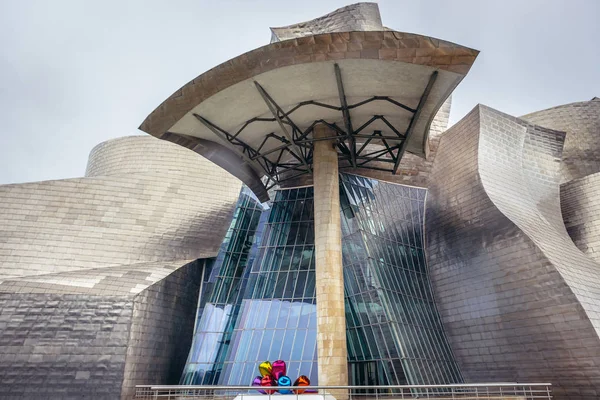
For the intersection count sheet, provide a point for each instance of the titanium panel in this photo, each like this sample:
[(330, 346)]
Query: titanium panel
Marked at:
[(98, 283), (580, 201), (519, 301), (355, 17), (581, 122)]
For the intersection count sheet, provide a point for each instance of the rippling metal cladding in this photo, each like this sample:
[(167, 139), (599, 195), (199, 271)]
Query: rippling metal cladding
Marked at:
[(581, 122), (355, 17), (519, 300), (97, 274), (580, 203)]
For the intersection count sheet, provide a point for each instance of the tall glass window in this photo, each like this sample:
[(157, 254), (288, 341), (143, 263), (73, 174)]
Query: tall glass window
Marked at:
[(278, 312), (224, 283), (259, 302), (394, 332)]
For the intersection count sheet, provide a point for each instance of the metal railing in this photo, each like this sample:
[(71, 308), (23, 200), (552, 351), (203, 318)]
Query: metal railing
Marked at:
[(475, 391)]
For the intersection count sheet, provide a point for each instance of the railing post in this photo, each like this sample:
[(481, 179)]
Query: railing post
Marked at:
[(531, 392)]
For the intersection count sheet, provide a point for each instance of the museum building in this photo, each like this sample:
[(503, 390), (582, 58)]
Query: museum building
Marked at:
[(313, 206)]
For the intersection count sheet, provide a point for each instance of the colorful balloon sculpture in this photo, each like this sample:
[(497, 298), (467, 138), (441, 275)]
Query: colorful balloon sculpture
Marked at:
[(274, 375), (284, 381), (268, 380), (301, 381), (265, 368), (278, 369), (256, 382)]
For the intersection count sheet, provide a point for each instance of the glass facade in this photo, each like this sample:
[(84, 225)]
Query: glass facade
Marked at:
[(394, 332), (223, 285), (278, 312), (259, 302)]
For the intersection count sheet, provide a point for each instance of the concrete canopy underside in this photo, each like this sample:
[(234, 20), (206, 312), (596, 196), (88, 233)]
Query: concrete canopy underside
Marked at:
[(244, 104)]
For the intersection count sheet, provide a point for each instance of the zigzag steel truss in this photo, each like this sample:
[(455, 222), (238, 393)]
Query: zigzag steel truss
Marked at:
[(296, 143)]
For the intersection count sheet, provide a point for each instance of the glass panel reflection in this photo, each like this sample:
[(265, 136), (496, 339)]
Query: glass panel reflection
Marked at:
[(394, 332), (218, 304), (259, 302)]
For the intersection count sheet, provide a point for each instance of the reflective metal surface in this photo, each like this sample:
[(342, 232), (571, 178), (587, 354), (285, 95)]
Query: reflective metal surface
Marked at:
[(581, 122), (354, 17), (580, 204), (98, 278), (518, 299)]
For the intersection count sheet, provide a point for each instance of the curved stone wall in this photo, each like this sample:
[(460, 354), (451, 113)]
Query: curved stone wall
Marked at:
[(580, 201), (98, 275), (581, 122), (519, 301)]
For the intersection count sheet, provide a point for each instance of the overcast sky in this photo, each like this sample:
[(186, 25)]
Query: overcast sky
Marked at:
[(74, 73)]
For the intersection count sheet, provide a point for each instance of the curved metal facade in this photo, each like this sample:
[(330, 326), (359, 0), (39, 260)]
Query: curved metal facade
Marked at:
[(98, 275), (580, 204), (355, 17), (581, 122), (519, 301)]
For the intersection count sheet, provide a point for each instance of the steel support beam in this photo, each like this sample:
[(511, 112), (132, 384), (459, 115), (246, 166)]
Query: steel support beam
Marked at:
[(275, 110), (346, 114), (414, 119), (295, 142), (221, 135)]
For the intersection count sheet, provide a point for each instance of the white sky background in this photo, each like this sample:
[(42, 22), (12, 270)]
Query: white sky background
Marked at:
[(74, 73)]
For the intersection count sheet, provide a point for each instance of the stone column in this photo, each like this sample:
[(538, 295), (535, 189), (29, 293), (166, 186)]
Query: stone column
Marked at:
[(331, 320)]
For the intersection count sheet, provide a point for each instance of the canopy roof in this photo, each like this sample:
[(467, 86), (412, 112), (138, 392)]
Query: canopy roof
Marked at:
[(254, 114)]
